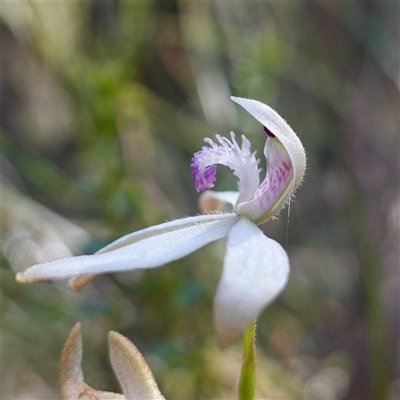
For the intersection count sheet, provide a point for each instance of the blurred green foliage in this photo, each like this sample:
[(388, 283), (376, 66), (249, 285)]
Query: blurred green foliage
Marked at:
[(103, 105)]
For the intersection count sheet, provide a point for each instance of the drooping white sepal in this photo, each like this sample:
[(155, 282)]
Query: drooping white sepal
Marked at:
[(149, 248), (255, 271)]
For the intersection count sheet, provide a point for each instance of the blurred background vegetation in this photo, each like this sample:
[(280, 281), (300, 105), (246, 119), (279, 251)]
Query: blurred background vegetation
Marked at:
[(103, 105)]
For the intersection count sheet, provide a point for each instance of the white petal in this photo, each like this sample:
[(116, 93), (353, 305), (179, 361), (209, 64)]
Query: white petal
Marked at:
[(211, 200), (255, 271), (157, 246), (78, 281), (279, 127), (160, 229)]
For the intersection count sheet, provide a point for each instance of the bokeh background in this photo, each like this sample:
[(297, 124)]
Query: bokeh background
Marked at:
[(103, 105)]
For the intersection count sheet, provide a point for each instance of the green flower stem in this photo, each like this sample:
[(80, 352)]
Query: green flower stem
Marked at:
[(247, 381)]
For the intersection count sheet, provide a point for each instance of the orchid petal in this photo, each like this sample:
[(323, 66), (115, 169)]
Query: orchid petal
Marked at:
[(131, 369), (211, 201), (255, 271), (158, 245), (78, 281), (270, 119), (159, 229)]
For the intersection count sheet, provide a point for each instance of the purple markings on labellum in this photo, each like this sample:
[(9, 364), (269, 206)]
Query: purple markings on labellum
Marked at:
[(204, 177)]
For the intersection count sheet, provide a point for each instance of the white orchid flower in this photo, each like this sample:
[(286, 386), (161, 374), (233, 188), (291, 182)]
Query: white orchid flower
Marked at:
[(255, 267), (133, 373)]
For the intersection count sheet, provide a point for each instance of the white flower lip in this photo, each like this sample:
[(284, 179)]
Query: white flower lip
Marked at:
[(255, 267)]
